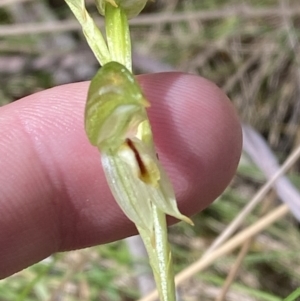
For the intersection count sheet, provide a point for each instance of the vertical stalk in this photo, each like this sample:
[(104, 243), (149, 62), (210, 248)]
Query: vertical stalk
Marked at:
[(118, 35), (160, 256)]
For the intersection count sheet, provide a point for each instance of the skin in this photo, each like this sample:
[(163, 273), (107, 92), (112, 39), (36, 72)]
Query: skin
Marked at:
[(53, 194)]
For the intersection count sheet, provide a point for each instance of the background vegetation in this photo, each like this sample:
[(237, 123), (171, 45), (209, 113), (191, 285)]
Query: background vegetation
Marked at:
[(250, 49)]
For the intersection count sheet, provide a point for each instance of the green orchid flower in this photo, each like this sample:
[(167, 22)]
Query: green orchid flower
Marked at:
[(116, 123)]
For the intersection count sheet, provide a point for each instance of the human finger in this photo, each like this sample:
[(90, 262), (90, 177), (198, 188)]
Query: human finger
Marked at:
[(54, 195)]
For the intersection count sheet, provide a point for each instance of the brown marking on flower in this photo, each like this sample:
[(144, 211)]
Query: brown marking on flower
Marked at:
[(144, 175)]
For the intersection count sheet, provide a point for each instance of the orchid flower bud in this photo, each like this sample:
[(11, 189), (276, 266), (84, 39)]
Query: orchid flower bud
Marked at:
[(131, 7)]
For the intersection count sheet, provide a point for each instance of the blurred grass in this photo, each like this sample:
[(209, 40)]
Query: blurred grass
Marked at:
[(253, 59)]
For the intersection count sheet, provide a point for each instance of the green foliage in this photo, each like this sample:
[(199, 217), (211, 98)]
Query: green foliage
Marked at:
[(293, 296)]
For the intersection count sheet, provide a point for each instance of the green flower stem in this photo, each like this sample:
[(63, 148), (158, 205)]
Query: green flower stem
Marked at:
[(160, 256), (118, 35)]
